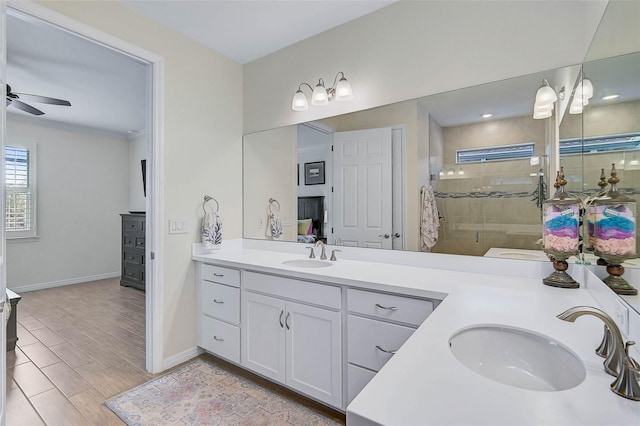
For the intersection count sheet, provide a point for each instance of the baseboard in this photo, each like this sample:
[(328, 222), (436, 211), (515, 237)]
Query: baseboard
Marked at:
[(181, 357), (51, 284)]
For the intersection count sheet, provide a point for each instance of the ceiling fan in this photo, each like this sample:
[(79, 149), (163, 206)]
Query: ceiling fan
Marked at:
[(16, 100)]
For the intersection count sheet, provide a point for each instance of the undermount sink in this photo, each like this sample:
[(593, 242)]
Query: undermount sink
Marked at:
[(307, 263), (517, 357)]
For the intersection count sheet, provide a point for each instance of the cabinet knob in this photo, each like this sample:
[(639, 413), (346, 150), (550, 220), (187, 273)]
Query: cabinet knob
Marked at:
[(219, 339)]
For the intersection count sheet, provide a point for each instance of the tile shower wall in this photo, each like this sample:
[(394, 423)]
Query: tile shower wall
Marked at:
[(489, 204)]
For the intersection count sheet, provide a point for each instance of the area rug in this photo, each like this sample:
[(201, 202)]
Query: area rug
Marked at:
[(201, 393)]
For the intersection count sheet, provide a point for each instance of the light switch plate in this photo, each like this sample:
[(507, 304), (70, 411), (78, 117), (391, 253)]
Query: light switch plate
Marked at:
[(177, 226)]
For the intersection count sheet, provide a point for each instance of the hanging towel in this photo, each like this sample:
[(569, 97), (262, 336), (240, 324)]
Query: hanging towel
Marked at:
[(211, 230), (274, 229), (429, 222)]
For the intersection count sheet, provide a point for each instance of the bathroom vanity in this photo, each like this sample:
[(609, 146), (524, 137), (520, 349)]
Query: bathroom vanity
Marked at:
[(370, 333)]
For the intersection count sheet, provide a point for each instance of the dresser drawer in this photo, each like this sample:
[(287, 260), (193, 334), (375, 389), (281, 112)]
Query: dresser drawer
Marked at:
[(389, 306), (221, 275), (133, 257), (220, 338), (220, 301), (133, 224), (357, 379), (132, 272), (369, 339)]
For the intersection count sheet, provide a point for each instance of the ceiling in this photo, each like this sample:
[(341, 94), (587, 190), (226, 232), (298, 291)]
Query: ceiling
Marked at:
[(106, 88), (247, 30)]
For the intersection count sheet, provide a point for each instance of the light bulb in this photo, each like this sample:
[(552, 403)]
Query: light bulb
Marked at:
[(299, 102), (319, 96), (546, 95), (575, 108), (344, 92), (537, 115)]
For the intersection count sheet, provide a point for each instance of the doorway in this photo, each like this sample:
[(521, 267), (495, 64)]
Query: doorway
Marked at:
[(153, 96)]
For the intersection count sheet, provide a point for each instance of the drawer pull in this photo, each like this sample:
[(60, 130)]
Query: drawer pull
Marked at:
[(220, 302), (392, 352), (388, 308), (281, 314), (219, 339), (286, 321), (218, 275)]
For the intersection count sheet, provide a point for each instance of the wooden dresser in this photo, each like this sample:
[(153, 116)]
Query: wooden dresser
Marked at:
[(133, 253)]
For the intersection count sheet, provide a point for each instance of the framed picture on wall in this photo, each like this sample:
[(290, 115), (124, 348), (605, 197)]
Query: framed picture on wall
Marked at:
[(314, 173)]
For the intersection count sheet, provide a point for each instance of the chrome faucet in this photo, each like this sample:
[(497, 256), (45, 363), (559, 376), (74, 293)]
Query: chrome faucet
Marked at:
[(323, 256), (618, 363)]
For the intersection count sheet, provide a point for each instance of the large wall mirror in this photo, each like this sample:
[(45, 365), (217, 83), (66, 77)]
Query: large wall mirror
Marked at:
[(487, 161)]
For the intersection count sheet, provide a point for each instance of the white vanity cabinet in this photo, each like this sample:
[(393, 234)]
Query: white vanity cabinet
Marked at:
[(377, 325), (218, 325), (291, 333)]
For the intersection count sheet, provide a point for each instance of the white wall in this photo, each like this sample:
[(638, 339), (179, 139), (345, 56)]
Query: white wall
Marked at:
[(417, 48), (137, 153), (202, 147), (82, 187)]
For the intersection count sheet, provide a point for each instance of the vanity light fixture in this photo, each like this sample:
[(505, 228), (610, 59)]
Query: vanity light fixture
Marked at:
[(581, 96), (609, 97), (545, 100), (340, 91)]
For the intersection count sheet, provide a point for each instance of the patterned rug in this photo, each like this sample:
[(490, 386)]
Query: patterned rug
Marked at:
[(200, 393)]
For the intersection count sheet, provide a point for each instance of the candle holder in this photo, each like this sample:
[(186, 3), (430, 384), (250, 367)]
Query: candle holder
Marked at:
[(561, 223), (615, 234)]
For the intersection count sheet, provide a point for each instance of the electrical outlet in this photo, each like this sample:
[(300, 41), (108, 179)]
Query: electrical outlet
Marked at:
[(621, 317), (260, 223)]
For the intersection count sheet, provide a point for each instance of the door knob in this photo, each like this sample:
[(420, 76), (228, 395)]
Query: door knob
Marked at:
[(396, 235), (384, 236)]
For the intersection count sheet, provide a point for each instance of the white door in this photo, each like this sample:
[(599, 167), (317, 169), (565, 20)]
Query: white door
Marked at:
[(314, 361), (263, 337), (362, 188), (3, 275)]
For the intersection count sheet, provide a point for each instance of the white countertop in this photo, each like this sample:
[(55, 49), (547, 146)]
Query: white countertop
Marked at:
[(424, 384)]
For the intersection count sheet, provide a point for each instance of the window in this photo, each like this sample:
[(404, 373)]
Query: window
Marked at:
[(500, 152), (600, 144), (20, 208)]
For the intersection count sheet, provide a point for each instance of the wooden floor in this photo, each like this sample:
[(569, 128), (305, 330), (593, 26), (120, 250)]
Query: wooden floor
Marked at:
[(81, 344)]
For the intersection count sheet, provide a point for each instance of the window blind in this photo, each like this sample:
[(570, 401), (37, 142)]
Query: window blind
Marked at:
[(19, 212)]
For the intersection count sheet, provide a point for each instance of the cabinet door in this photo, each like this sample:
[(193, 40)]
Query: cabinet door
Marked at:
[(314, 352), (263, 337)]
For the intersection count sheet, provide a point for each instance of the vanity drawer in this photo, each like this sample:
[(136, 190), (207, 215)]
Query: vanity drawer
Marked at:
[(220, 338), (303, 291), (220, 301), (357, 379), (221, 275), (368, 339), (389, 306)]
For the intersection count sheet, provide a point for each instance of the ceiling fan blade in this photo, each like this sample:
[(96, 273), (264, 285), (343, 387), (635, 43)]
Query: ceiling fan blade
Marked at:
[(42, 99), (25, 107)]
